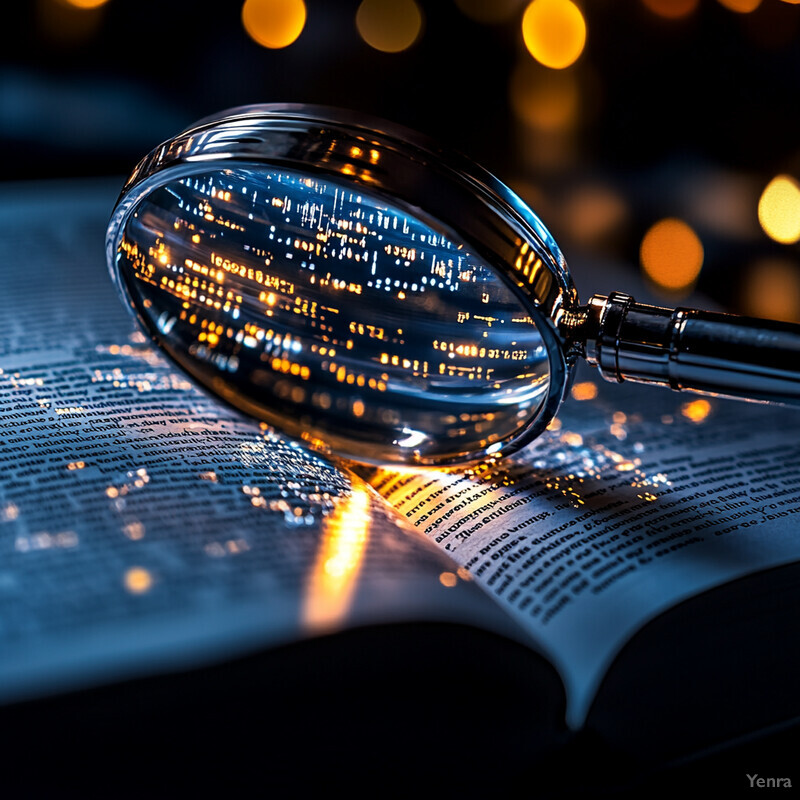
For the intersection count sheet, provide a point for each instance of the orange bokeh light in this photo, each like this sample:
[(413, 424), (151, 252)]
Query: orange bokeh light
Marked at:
[(696, 410), (389, 25), (448, 579), (671, 254), (771, 289), (671, 9), (274, 23), (86, 3), (546, 100), (138, 580), (741, 6), (554, 32), (586, 390)]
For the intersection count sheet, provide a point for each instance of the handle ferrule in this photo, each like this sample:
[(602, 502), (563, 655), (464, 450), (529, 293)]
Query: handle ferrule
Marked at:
[(691, 350)]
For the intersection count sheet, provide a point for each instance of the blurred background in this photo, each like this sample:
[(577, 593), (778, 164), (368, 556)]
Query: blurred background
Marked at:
[(658, 134)]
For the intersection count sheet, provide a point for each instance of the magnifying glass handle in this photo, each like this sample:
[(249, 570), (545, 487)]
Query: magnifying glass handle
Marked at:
[(691, 350)]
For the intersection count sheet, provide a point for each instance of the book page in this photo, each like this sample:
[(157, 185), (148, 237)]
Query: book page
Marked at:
[(636, 498), (144, 525)]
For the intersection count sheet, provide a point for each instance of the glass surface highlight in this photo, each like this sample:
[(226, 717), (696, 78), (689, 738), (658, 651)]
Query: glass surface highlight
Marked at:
[(334, 314)]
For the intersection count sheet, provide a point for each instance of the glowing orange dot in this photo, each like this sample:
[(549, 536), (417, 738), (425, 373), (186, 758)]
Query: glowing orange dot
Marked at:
[(671, 9), (771, 289), (554, 32), (389, 25), (584, 391), (741, 6), (544, 99), (593, 212), (86, 3), (671, 254), (274, 23), (696, 410), (138, 580), (448, 579)]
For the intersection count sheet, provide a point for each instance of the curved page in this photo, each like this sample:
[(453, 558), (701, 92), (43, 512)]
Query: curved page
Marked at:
[(144, 526)]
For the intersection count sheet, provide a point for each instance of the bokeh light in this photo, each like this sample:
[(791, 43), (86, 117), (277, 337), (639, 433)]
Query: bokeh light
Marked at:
[(671, 9), (554, 32), (672, 255), (724, 202), (696, 410), (741, 6), (448, 579), (593, 214), (774, 27), (491, 12), (274, 23), (586, 390), (389, 25), (138, 580), (70, 22), (86, 3), (544, 99), (779, 209), (771, 289)]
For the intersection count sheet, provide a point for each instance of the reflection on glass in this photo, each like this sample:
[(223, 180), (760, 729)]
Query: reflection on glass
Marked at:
[(333, 314)]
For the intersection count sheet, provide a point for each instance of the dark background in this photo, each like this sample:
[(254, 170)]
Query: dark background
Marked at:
[(688, 117)]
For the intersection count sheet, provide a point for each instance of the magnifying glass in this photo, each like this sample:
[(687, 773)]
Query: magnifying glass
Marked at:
[(354, 285)]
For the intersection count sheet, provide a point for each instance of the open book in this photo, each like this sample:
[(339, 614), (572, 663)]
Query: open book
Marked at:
[(645, 550)]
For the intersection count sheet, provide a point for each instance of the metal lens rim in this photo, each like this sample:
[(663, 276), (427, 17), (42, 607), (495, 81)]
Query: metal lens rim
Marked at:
[(289, 137)]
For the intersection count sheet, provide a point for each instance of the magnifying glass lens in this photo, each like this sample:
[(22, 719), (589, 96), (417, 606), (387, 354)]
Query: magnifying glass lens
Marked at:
[(333, 314)]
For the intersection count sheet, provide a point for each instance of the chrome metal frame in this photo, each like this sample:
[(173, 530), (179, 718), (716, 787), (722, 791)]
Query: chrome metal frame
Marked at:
[(460, 199), (698, 351)]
